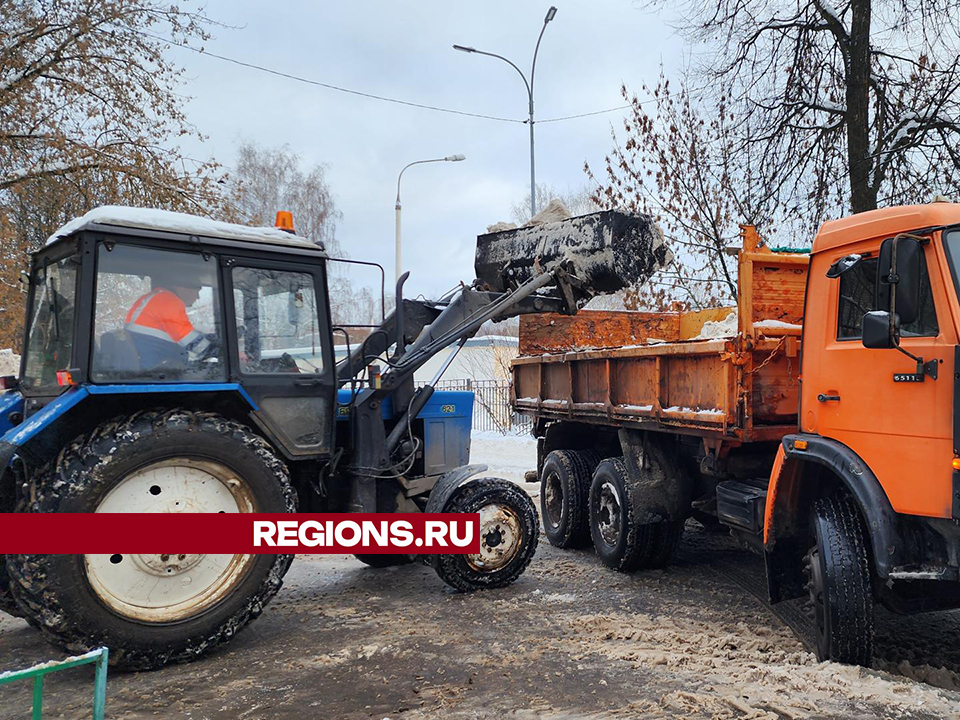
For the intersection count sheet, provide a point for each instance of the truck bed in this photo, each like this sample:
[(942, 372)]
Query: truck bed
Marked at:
[(649, 370)]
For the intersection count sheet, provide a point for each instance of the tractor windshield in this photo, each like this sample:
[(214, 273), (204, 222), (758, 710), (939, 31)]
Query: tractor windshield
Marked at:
[(51, 327)]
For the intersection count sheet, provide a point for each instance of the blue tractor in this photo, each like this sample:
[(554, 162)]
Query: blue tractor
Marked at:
[(177, 364)]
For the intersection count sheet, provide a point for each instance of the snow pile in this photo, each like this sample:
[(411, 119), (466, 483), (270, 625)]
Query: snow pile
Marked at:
[(9, 362), (775, 325), (713, 329), (508, 456), (554, 211), (168, 221), (613, 301), (712, 412)]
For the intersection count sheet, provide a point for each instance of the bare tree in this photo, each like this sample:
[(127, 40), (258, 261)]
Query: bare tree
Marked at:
[(860, 97), (269, 179), (682, 161), (578, 202), (86, 85), (265, 180), (88, 109)]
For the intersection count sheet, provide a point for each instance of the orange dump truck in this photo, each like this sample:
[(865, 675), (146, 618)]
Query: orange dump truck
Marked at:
[(820, 424)]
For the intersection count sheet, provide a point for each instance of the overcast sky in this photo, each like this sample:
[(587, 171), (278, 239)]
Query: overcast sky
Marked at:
[(403, 50)]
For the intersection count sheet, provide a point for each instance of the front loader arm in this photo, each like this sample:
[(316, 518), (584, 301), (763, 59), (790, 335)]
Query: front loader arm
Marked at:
[(554, 267)]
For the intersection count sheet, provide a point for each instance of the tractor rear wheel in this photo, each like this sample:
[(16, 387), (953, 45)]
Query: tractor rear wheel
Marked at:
[(154, 609), (838, 579), (509, 532)]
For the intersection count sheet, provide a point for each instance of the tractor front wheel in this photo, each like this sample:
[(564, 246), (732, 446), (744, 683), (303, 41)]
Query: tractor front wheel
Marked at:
[(509, 532), (154, 609)]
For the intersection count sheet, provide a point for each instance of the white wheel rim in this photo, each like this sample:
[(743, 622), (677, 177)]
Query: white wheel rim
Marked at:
[(553, 497), (171, 586), (500, 538), (608, 521)]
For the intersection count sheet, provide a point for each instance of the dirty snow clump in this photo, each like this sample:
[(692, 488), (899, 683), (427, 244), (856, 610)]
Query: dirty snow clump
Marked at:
[(713, 329)]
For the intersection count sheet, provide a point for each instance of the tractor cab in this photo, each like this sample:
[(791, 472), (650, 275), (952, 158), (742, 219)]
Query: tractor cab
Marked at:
[(140, 303)]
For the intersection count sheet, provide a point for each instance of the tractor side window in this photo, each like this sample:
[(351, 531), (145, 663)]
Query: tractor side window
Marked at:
[(278, 329), (50, 334), (156, 316), (858, 297)]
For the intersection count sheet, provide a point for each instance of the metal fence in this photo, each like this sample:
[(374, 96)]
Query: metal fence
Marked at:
[(491, 405)]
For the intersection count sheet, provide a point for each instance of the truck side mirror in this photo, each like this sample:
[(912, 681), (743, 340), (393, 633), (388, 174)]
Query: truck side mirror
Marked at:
[(844, 264), (876, 330), (898, 278)]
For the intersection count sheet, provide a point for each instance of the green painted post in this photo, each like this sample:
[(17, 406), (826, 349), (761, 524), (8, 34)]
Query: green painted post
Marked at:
[(36, 673), (100, 686), (38, 697)]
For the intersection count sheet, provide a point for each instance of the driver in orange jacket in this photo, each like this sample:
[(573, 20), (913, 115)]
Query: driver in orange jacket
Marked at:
[(161, 330)]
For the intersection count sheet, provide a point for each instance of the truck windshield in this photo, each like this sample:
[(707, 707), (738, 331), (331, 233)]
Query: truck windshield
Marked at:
[(951, 242), (50, 334)]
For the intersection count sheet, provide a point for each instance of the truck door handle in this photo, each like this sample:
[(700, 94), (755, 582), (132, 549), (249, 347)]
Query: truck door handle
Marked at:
[(828, 398), (308, 383)]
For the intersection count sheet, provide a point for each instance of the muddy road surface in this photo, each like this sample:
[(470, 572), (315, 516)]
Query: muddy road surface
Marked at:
[(570, 639)]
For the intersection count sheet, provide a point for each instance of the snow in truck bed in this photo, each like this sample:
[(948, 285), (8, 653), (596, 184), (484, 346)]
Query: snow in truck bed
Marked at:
[(167, 221)]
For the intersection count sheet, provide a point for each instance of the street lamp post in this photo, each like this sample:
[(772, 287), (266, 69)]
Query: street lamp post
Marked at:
[(529, 85), (449, 158)]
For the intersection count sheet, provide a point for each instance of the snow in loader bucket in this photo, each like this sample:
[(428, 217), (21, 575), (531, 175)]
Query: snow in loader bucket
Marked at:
[(607, 251)]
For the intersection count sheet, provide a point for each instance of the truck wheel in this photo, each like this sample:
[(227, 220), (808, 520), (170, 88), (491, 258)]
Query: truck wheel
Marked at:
[(509, 532), (154, 609), (384, 561), (620, 541), (564, 489), (838, 578)]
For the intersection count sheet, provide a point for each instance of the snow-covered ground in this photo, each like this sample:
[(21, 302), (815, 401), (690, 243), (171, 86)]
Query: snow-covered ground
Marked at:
[(508, 456)]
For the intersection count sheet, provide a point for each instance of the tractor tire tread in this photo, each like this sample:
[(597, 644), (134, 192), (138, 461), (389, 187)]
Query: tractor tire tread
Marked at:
[(38, 595), (455, 571)]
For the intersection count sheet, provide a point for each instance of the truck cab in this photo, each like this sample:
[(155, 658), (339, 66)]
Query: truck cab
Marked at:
[(863, 503), (824, 432)]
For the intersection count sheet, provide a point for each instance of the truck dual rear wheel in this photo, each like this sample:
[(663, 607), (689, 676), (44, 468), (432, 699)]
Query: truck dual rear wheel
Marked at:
[(621, 542), (509, 532), (838, 578), (564, 492), (170, 607)]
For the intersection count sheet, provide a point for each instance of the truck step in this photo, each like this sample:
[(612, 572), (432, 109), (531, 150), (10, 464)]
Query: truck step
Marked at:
[(741, 504)]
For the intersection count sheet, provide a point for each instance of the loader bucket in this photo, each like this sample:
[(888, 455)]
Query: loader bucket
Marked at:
[(607, 251)]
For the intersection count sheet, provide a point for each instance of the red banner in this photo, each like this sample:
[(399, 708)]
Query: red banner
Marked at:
[(154, 533)]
